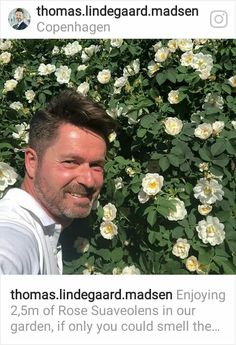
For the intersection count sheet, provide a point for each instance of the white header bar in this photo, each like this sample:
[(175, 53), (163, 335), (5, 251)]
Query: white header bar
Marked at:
[(119, 19)]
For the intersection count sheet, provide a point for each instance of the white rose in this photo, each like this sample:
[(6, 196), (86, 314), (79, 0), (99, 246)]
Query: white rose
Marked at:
[(187, 58), (185, 45), (116, 270), (205, 73), (181, 248), (81, 68), (5, 45), (211, 231), (115, 112), (208, 192), (46, 69), (203, 166), (180, 211), (5, 57), (232, 81), (119, 184), (192, 263), (204, 209), (172, 45), (161, 54), (19, 72), (21, 132), (153, 67), (16, 106), (72, 48), (108, 230), (56, 50), (173, 125), (157, 46), (10, 85), (8, 176), (63, 74), (112, 136), (83, 88), (104, 76), (173, 97), (88, 52), (143, 197), (130, 171), (109, 212), (213, 100), (81, 245), (217, 127), (132, 69), (203, 131), (233, 123), (130, 270), (29, 95), (117, 43), (120, 82), (152, 183), (202, 62)]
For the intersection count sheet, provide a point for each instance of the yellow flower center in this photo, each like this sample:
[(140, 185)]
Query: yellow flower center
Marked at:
[(108, 229), (207, 190), (211, 230), (108, 213), (1, 174), (181, 249), (153, 185), (192, 264)]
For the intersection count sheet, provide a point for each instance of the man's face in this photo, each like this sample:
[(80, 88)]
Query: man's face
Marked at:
[(69, 175), (19, 16)]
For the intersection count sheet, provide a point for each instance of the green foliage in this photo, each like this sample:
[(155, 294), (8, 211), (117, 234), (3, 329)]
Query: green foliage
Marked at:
[(142, 103)]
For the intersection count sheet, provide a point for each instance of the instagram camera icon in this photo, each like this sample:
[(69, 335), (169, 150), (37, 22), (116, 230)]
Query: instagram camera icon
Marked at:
[(219, 19)]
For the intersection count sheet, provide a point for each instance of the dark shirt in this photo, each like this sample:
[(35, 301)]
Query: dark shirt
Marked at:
[(20, 26)]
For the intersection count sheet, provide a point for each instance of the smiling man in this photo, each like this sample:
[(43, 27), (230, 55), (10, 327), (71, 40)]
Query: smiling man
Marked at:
[(19, 17), (64, 175)]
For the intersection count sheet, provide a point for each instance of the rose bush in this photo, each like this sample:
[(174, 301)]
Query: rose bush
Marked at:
[(168, 202)]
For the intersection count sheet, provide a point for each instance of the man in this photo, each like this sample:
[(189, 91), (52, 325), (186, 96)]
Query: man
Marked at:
[(64, 174), (19, 15)]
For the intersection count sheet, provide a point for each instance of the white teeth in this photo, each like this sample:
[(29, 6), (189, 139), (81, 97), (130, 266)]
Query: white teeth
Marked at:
[(73, 194), (77, 195)]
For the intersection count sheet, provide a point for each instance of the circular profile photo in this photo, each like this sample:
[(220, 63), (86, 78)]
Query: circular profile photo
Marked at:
[(19, 18)]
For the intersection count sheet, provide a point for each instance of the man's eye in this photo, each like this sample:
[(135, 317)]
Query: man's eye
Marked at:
[(69, 162), (98, 167)]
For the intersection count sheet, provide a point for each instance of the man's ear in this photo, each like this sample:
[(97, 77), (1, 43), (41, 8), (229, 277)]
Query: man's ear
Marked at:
[(31, 161)]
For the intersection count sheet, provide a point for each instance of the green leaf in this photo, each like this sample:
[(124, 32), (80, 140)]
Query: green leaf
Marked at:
[(152, 218), (171, 75), (117, 254), (152, 237), (218, 147), (163, 211), (221, 160), (175, 161), (147, 121), (164, 163), (205, 255), (227, 88), (205, 154), (177, 232), (161, 78)]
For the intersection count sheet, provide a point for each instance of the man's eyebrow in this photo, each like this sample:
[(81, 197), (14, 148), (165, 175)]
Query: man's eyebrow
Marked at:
[(78, 158)]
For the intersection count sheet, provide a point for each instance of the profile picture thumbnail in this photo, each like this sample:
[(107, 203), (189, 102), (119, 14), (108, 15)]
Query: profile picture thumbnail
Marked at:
[(19, 18)]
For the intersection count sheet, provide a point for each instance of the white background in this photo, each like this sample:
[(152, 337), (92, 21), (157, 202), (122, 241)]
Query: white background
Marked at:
[(126, 27), (220, 314)]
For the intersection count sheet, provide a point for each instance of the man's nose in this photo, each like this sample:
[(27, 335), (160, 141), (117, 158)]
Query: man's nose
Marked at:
[(85, 176)]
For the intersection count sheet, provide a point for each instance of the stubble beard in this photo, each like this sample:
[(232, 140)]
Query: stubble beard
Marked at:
[(55, 203)]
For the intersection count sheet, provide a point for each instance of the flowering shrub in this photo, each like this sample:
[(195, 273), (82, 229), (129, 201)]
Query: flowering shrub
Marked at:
[(168, 202)]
